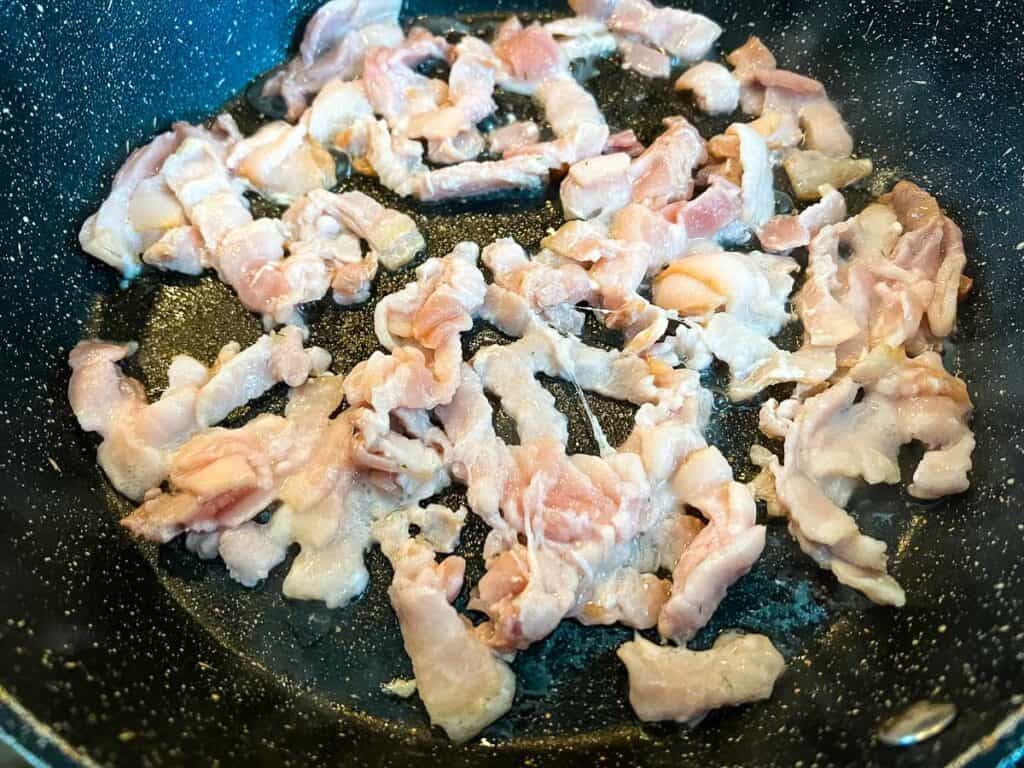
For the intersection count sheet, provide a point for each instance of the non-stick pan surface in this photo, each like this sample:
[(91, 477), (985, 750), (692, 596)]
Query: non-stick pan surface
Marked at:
[(130, 655)]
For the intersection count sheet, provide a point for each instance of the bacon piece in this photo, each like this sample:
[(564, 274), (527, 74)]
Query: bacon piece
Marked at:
[(644, 60), (677, 684), (714, 89), (781, 234), (463, 684)]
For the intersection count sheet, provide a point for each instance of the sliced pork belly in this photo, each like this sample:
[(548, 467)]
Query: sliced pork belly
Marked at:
[(220, 479), (624, 141), (819, 524), (179, 249), (919, 212), (722, 552), (421, 325), (664, 172), (109, 234), (644, 60), (810, 170), (393, 86), (393, 236), (660, 175), (714, 88), (685, 35), (282, 162), (339, 117), (824, 129), (835, 440), (213, 203), (585, 504), (687, 346), (596, 186), (332, 488), (752, 286), (746, 60), (463, 146), (251, 259), (627, 597), (677, 684), (139, 437), (530, 56), (552, 291), (398, 163), (784, 233), (756, 186), (470, 87), (755, 363), (514, 135), (479, 458), (892, 286), (660, 231), (313, 229), (581, 38), (334, 43), (298, 82), (469, 179), (241, 375), (575, 119), (713, 214), (504, 371), (143, 215), (439, 304), (462, 683)]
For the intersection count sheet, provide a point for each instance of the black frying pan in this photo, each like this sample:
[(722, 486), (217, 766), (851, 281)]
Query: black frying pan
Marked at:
[(126, 655)]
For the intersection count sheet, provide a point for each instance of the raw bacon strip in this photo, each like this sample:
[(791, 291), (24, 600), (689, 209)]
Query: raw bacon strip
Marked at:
[(108, 234), (714, 88), (471, 179), (572, 512), (470, 87), (834, 440), (758, 194), (139, 437), (479, 458), (421, 325), (894, 289), (551, 291), (644, 60), (784, 233), (393, 236), (333, 46), (340, 117), (722, 552), (668, 683), (581, 38), (512, 136), (282, 162), (575, 119), (463, 684), (530, 56), (662, 174), (314, 231), (755, 363), (753, 286), (685, 35), (199, 179)]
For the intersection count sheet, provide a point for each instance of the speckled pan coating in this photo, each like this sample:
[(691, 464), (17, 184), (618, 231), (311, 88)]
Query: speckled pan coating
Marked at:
[(135, 656)]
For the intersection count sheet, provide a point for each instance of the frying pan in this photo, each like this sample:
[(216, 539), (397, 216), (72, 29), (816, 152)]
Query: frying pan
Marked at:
[(117, 653)]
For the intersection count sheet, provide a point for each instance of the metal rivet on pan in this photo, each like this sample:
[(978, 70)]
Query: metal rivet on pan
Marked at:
[(916, 723)]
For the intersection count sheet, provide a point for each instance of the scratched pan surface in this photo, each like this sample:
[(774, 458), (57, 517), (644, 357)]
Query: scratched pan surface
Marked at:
[(133, 655)]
